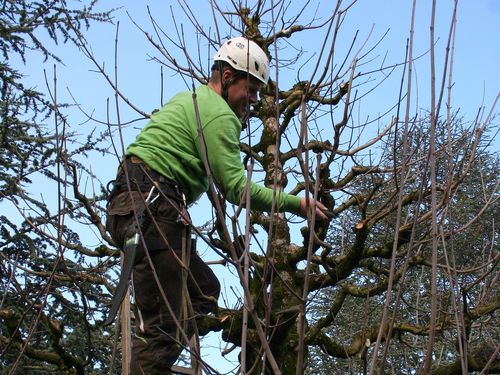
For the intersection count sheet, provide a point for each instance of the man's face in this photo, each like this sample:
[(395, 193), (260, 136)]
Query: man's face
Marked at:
[(241, 94)]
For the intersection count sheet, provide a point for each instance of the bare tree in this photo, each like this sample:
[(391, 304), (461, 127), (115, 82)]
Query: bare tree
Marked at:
[(403, 279)]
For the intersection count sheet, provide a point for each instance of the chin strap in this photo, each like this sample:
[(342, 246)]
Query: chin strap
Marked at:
[(223, 91), (223, 83)]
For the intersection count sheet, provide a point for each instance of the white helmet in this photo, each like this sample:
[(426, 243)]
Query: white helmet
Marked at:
[(239, 51)]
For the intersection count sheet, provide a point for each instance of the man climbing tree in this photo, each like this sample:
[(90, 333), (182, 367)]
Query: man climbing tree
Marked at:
[(192, 139)]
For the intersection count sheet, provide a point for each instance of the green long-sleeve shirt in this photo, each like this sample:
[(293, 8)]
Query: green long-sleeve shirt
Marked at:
[(170, 145)]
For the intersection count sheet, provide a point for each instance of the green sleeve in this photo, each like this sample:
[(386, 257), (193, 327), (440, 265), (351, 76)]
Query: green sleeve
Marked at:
[(222, 140)]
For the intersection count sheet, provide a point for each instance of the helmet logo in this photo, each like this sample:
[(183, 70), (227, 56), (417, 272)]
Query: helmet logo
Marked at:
[(240, 45)]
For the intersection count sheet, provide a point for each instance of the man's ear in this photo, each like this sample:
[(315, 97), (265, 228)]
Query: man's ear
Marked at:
[(227, 75)]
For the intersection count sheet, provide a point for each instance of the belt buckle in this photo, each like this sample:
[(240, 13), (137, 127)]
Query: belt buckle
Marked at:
[(183, 216), (179, 192)]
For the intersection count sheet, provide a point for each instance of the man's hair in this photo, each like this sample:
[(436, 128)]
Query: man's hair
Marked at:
[(219, 66), (216, 70)]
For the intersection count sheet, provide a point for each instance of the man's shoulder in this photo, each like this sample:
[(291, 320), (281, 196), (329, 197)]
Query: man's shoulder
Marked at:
[(211, 106), (202, 94)]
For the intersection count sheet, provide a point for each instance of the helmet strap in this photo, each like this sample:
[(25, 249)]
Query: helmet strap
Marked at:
[(223, 83)]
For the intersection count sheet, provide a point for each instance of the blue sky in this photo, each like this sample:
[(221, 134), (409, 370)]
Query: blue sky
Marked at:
[(476, 78), (476, 61), (477, 53)]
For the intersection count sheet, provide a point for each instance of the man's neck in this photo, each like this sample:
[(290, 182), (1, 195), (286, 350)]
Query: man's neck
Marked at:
[(215, 86)]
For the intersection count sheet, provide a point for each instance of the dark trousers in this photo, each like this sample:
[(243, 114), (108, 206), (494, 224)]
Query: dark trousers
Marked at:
[(155, 345)]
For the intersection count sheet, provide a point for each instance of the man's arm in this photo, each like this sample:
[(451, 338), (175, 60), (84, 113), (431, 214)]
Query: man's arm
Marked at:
[(222, 141)]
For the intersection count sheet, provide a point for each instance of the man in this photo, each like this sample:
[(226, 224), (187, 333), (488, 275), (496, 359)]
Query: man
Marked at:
[(170, 152)]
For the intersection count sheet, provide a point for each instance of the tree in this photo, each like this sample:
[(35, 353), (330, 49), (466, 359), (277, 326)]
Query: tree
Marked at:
[(48, 297), (465, 266), (387, 286)]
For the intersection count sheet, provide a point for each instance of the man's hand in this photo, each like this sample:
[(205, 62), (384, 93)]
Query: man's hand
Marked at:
[(320, 208)]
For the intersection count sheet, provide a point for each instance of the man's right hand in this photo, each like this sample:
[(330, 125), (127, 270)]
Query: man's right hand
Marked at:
[(320, 208)]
